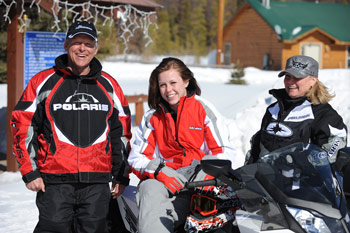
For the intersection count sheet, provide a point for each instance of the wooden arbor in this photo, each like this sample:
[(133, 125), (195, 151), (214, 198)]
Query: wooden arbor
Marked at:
[(15, 50)]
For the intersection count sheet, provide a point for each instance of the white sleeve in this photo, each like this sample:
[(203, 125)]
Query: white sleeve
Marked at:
[(137, 159), (219, 128)]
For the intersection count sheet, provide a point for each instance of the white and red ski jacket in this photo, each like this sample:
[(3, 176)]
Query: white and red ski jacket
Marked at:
[(199, 130), (70, 129)]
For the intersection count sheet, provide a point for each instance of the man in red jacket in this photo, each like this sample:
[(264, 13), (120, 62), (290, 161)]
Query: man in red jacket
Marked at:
[(71, 133)]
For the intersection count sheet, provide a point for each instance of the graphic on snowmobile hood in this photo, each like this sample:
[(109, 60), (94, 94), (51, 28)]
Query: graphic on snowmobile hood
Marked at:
[(81, 106), (296, 180)]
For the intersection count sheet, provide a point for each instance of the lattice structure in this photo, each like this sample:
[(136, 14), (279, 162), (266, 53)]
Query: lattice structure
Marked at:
[(126, 17)]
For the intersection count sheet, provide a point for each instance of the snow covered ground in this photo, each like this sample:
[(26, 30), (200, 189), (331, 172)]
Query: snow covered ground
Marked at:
[(242, 105)]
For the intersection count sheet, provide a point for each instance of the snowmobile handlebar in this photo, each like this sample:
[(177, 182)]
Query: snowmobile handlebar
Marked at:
[(202, 183)]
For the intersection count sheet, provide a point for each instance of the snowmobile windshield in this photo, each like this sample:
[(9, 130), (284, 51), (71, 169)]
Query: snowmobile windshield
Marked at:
[(300, 171), (298, 175)]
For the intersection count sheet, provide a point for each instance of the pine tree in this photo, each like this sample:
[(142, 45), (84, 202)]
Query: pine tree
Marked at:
[(185, 26), (198, 34), (212, 23), (163, 37), (237, 74), (192, 24)]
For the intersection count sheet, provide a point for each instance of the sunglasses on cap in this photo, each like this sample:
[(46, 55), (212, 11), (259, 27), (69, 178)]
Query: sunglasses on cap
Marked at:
[(203, 205)]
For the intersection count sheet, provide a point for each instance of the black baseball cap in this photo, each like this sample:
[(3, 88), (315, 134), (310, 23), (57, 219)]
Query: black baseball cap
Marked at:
[(300, 66), (82, 27)]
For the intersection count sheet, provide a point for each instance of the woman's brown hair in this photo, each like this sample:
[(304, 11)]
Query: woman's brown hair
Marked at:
[(166, 64)]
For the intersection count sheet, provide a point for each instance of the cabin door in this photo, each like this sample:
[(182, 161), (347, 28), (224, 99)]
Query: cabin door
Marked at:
[(312, 50)]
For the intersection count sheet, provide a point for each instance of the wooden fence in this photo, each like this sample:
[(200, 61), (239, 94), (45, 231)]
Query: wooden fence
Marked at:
[(138, 100)]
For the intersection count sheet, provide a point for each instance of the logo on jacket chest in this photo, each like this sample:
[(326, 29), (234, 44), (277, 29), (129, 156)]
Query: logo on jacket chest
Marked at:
[(195, 128), (279, 129), (81, 102)]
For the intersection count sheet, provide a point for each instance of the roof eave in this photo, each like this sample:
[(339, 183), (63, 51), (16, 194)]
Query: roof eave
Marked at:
[(299, 37)]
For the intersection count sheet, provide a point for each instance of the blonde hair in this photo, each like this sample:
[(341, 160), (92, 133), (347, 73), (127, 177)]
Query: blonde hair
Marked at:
[(319, 94)]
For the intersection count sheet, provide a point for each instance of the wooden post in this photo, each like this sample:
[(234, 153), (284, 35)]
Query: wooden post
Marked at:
[(138, 100), (139, 112), (220, 31), (15, 69)]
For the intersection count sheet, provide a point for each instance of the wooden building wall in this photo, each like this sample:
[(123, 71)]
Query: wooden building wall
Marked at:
[(251, 37), (335, 58)]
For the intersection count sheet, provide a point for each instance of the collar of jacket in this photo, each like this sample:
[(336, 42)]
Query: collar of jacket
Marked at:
[(95, 67), (166, 107), (284, 100)]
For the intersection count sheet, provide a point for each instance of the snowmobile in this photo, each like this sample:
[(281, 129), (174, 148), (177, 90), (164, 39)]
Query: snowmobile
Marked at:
[(293, 189), (211, 211)]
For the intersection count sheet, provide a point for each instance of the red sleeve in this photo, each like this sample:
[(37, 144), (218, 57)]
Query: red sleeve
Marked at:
[(24, 128)]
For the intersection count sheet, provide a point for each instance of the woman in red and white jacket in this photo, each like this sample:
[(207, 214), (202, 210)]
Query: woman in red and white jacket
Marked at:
[(180, 127)]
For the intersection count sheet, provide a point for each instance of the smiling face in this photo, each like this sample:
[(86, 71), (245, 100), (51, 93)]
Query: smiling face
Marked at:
[(172, 87), (298, 87), (81, 49)]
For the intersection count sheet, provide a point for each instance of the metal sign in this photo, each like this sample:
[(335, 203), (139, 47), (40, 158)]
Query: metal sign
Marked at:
[(40, 51)]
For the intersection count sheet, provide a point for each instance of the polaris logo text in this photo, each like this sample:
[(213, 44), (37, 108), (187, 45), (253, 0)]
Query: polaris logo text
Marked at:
[(81, 107), (334, 148)]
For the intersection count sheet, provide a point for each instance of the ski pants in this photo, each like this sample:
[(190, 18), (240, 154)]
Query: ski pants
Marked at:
[(65, 208), (158, 212)]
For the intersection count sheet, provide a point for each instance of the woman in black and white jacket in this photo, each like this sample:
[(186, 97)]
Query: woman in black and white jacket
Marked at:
[(300, 114)]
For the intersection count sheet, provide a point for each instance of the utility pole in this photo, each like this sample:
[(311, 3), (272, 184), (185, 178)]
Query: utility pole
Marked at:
[(220, 32)]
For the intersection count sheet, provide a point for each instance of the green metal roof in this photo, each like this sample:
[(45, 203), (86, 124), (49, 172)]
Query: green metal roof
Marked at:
[(292, 19)]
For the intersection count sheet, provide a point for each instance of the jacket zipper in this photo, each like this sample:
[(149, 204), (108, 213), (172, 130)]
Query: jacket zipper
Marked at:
[(177, 125), (78, 112), (281, 116), (47, 149), (183, 149)]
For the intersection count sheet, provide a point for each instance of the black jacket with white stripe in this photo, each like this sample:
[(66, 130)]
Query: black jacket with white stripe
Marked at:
[(289, 121)]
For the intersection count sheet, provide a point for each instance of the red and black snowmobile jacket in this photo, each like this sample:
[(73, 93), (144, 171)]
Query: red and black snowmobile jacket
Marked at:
[(72, 129)]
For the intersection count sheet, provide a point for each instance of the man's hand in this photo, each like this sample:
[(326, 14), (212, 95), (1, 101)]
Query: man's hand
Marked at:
[(117, 190), (36, 185)]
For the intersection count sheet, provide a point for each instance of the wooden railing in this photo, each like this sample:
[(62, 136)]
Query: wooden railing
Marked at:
[(138, 100)]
